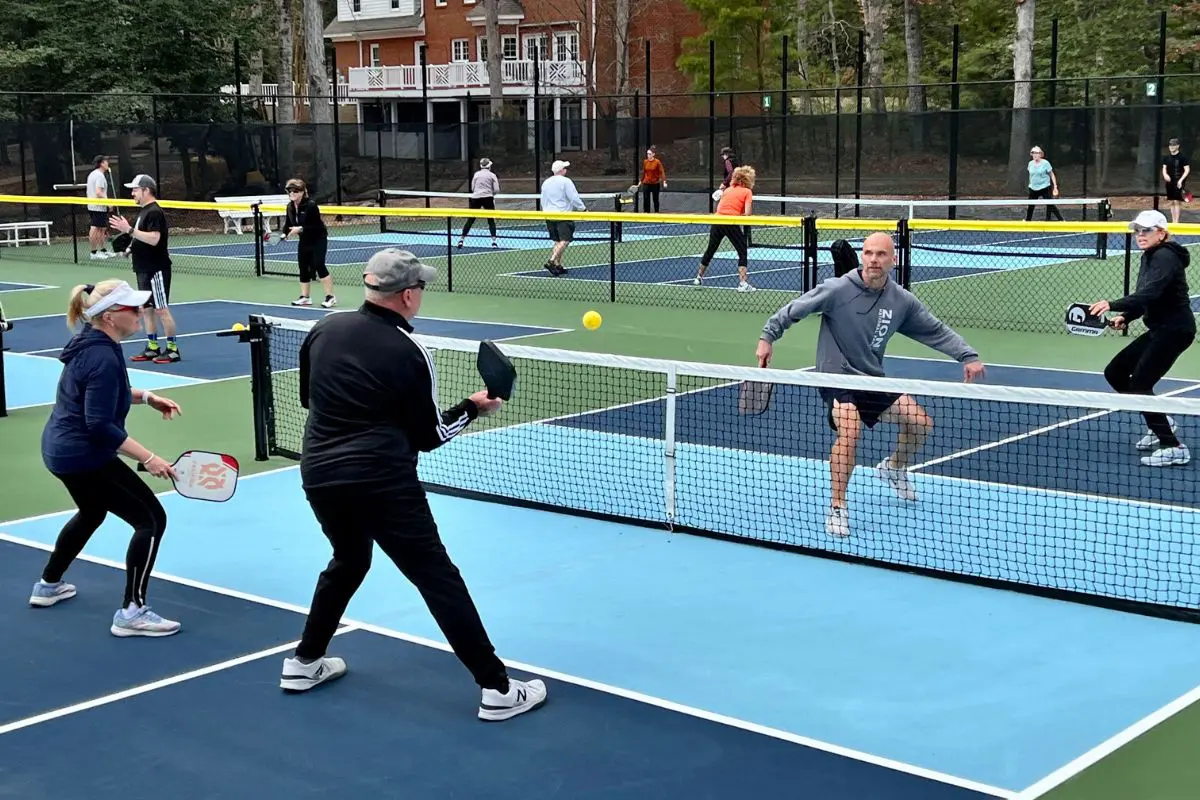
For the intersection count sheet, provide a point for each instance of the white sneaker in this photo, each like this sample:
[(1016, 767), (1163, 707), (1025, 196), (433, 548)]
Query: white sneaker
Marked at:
[(838, 521), (45, 594), (1168, 457), (98, 256), (329, 302), (898, 478), (745, 287), (144, 622), (696, 281), (300, 677), (1150, 441), (522, 696), (302, 301)]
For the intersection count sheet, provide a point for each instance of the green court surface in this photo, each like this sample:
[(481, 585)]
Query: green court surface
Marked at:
[(1156, 765)]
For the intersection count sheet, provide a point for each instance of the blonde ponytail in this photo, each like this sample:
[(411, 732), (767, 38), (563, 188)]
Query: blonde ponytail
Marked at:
[(83, 296)]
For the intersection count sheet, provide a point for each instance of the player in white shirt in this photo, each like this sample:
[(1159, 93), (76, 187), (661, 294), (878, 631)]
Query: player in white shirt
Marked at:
[(97, 189), (484, 188)]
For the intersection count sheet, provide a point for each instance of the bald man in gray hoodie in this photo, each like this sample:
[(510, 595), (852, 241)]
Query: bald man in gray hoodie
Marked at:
[(859, 313)]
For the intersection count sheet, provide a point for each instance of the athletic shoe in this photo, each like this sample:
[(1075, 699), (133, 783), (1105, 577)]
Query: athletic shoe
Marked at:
[(144, 622), (47, 594), (745, 287), (302, 301), (898, 478), (329, 302), (300, 677), (1168, 457), (521, 696), (170, 356), (837, 523), (149, 354), (1150, 441)]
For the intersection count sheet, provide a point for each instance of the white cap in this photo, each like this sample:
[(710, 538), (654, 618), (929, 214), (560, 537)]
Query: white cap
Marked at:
[(1149, 219), (559, 165), (122, 295)]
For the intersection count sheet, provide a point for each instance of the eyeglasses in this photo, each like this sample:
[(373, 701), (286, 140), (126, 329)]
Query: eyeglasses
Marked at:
[(294, 190), (1140, 231)]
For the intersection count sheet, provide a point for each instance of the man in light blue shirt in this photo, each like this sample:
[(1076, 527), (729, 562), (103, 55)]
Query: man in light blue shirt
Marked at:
[(559, 194)]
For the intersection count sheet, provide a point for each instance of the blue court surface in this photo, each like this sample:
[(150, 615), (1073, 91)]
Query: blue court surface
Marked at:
[(11, 286), (32, 367), (677, 666)]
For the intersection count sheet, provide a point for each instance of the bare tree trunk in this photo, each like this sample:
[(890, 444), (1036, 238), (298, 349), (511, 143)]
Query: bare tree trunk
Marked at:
[(495, 55), (915, 47), (320, 110), (875, 19), (1018, 144), (621, 47), (285, 102)]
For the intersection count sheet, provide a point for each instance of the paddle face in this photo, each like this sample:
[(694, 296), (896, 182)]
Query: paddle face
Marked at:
[(754, 397), (273, 237), (498, 373), (1081, 323), (206, 476), (121, 242), (844, 258)]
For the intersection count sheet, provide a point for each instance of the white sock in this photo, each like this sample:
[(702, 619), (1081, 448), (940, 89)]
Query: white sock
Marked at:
[(129, 611)]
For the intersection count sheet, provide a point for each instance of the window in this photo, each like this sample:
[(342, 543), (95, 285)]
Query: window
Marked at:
[(566, 46), (510, 48), (355, 6), (535, 48), (376, 59), (395, 5), (460, 50)]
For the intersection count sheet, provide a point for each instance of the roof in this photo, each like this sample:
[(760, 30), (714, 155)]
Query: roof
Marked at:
[(397, 26), (508, 8)]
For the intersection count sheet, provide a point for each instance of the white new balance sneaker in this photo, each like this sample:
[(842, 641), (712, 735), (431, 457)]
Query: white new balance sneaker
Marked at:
[(522, 696), (300, 677), (1168, 457)]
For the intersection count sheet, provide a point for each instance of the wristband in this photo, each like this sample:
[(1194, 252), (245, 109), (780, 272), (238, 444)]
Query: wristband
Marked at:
[(146, 395), (149, 458)]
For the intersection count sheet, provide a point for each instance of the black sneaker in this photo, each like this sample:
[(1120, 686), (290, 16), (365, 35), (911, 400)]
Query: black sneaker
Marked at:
[(149, 354), (170, 356)]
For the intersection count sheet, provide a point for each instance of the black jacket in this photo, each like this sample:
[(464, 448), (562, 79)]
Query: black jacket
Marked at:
[(308, 216), (1161, 295), (371, 393)]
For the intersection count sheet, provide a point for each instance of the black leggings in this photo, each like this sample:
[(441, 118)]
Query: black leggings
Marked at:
[(480, 202), (1143, 363), (115, 488), (1042, 194), (355, 520), (737, 237), (649, 190)]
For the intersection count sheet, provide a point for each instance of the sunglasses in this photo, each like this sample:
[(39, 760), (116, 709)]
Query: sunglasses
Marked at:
[(1140, 231)]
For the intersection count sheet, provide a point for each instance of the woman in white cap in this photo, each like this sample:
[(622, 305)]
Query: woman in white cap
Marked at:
[(82, 444), (1162, 301), (484, 188)]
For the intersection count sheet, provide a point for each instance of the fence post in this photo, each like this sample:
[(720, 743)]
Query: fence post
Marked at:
[(712, 119), (837, 148), (649, 97), (862, 56), (537, 126), (237, 111), (783, 136), (155, 133), (426, 124), (952, 189), (1160, 98), (337, 131)]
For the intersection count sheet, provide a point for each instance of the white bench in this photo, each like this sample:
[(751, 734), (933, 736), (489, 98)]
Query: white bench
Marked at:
[(10, 233), (233, 219)]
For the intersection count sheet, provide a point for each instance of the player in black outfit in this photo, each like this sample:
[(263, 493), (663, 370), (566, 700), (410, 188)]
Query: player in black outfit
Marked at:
[(1175, 170), (1162, 301), (304, 221), (371, 411)]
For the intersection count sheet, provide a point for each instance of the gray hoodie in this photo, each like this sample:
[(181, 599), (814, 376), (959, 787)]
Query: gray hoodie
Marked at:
[(857, 322)]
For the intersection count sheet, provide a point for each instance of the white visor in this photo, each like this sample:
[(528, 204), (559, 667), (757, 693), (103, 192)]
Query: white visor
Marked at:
[(122, 295)]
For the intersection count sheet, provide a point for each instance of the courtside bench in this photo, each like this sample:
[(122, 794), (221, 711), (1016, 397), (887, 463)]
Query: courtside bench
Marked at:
[(233, 219), (10, 233)]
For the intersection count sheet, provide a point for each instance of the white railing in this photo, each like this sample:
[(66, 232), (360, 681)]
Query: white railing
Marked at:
[(463, 75), (270, 91)]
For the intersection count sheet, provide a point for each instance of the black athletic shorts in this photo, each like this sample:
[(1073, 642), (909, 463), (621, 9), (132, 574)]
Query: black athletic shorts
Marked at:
[(871, 405), (158, 284), (99, 219)]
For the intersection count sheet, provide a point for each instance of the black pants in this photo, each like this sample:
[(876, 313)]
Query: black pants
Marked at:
[(354, 520), (115, 488), (1042, 194), (649, 190), (310, 257), (480, 202), (1142, 364), (737, 237)]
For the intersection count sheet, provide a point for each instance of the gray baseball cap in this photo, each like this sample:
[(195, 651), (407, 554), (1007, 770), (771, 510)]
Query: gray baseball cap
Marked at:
[(393, 270), (142, 182)]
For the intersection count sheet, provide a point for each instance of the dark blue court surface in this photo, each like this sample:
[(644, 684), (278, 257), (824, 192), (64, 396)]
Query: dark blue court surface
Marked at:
[(201, 715), (210, 357), (10, 286)]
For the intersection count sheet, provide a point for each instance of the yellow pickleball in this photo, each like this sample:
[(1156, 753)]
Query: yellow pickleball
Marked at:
[(237, 326), (591, 320)]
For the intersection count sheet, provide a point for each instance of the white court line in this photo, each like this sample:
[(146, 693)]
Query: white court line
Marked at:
[(542, 329), (63, 313), (129, 341), (1037, 431), (1108, 747), (656, 702), (146, 688), (25, 287), (187, 380)]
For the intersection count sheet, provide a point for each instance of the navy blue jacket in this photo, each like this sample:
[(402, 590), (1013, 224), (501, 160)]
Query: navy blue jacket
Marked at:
[(87, 424)]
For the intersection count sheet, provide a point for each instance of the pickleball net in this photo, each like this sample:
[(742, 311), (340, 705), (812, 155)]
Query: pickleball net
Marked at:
[(1031, 489), (606, 202)]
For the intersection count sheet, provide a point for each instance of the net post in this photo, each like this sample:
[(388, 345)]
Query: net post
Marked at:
[(382, 199), (260, 255), (809, 280), (612, 262), (1103, 214), (904, 251), (260, 387), (3, 396), (618, 230), (449, 255), (669, 446), (1128, 270)]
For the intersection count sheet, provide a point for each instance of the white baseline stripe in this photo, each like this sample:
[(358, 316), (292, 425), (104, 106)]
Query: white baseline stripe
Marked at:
[(1107, 748), (656, 702), (145, 688)]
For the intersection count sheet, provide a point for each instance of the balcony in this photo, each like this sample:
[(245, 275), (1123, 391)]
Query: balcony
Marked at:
[(555, 77)]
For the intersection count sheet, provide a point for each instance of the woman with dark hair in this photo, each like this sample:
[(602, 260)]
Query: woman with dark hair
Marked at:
[(304, 222), (82, 444)]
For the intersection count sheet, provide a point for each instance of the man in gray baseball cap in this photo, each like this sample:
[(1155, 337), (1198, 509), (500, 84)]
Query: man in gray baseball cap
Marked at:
[(391, 271)]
